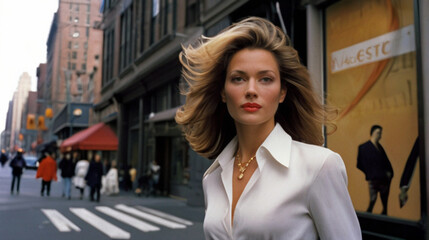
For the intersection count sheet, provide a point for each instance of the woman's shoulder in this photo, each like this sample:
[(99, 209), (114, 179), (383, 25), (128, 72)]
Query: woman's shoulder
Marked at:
[(314, 156)]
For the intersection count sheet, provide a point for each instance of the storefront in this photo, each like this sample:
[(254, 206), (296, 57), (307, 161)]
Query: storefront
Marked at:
[(372, 74)]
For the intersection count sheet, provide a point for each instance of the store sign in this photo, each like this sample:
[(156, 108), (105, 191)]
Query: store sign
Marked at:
[(382, 47)]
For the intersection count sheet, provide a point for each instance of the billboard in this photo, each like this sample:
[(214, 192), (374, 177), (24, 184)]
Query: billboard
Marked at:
[(371, 77)]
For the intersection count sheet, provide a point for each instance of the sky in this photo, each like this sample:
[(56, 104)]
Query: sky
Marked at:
[(24, 29)]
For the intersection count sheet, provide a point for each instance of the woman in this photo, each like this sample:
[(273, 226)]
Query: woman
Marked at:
[(47, 171), (81, 170), (250, 105), (111, 185)]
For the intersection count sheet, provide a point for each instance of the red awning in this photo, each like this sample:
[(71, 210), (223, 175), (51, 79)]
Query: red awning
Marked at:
[(96, 137)]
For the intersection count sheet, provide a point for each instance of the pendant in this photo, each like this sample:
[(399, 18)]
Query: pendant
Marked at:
[(240, 176)]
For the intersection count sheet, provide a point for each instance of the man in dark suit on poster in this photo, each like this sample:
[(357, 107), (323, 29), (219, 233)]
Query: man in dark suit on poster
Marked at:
[(372, 160)]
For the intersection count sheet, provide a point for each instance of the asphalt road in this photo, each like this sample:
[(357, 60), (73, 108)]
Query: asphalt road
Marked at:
[(125, 216)]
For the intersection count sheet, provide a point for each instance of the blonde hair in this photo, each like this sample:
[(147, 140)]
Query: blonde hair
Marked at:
[(206, 123)]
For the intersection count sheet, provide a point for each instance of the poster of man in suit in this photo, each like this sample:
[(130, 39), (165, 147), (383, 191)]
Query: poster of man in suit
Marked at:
[(372, 160)]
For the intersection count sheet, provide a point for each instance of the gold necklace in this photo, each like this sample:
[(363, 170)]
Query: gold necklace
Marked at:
[(241, 168)]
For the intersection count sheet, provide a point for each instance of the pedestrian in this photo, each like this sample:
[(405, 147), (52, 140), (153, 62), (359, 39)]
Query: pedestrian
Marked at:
[(47, 171), (3, 157), (155, 171), (133, 174), (81, 169), (250, 105), (17, 164), (75, 157), (372, 160), (93, 177), (67, 172), (111, 185), (126, 179)]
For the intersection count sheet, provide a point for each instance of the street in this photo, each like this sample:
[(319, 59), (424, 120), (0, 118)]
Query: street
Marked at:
[(125, 216)]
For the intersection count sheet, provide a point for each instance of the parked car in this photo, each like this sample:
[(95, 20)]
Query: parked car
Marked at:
[(31, 161)]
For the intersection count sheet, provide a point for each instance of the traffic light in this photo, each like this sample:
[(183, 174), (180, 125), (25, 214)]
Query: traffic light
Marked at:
[(41, 123), (49, 113), (31, 121)]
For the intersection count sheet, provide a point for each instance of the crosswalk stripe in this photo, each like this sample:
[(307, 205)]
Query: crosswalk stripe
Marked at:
[(165, 215), (149, 217), (139, 224), (59, 221), (104, 226)]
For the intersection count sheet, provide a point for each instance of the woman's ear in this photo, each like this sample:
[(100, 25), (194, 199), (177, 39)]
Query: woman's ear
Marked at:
[(283, 92)]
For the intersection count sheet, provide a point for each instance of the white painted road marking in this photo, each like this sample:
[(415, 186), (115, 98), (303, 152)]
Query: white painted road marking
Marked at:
[(139, 224), (165, 215), (104, 226), (61, 222), (149, 217)]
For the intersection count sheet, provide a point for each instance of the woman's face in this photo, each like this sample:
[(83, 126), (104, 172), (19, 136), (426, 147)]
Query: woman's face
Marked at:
[(252, 90)]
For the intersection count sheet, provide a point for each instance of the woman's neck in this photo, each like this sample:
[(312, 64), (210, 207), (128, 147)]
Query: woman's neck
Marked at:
[(251, 137)]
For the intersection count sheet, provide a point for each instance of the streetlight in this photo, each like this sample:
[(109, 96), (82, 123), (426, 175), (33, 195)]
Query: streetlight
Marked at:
[(76, 113)]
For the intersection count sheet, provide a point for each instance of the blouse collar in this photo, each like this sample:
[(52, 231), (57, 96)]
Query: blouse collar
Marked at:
[(276, 146)]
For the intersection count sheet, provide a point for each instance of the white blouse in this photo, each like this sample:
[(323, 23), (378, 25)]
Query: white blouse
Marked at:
[(298, 191)]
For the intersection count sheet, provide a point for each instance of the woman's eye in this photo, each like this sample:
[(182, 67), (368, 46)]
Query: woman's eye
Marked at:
[(236, 79), (266, 79)]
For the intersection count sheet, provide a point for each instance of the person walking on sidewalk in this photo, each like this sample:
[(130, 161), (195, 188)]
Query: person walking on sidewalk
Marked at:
[(80, 171), (93, 177), (47, 171), (155, 170), (17, 164), (67, 171), (111, 185), (3, 157)]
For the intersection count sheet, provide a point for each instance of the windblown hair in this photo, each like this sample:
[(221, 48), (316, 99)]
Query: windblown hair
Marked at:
[(206, 122)]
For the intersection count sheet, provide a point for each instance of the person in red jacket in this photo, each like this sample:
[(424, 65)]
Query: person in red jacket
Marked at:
[(47, 171)]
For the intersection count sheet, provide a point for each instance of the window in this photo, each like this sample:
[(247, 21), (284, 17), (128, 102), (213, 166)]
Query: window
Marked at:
[(87, 32), (192, 12), (69, 65), (76, 45), (76, 19), (126, 55), (75, 34), (83, 67), (74, 55), (85, 45), (142, 26), (87, 19), (162, 20), (108, 55), (69, 44), (88, 9), (77, 7), (73, 66)]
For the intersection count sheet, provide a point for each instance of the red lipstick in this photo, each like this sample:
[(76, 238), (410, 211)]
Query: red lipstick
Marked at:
[(251, 107)]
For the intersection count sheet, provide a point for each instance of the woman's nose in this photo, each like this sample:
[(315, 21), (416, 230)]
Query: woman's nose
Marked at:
[(251, 91)]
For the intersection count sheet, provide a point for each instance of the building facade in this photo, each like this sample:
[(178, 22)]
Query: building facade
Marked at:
[(5, 135), (72, 69), (19, 100)]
